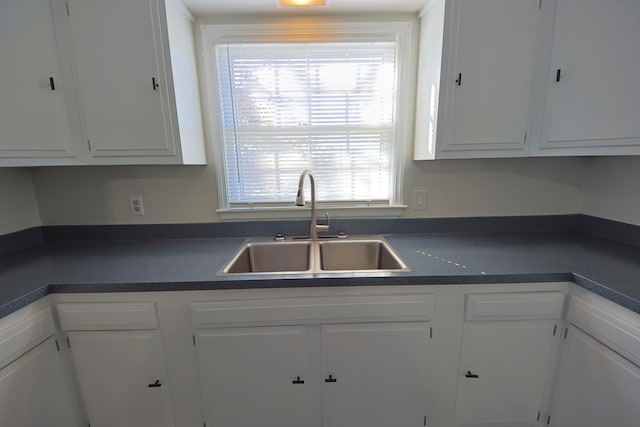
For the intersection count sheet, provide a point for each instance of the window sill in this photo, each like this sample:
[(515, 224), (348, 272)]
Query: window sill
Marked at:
[(262, 213)]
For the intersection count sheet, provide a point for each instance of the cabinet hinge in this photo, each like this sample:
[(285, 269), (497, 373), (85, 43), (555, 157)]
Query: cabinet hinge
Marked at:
[(194, 339), (68, 343), (566, 331), (424, 423), (67, 6), (555, 328), (430, 333), (538, 419), (57, 345), (548, 419), (524, 141), (89, 144)]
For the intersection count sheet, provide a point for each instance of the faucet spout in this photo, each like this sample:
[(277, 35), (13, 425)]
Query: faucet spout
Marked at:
[(313, 227)]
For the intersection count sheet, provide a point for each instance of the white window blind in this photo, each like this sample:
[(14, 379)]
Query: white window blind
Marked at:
[(327, 107)]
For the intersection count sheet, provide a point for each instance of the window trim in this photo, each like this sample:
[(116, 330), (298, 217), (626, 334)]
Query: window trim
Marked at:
[(315, 30)]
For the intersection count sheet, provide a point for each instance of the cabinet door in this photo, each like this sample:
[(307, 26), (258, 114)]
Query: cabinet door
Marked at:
[(118, 54), (33, 116), (502, 372), (596, 386), (491, 69), (375, 375), (593, 98), (122, 378), (254, 376), (33, 392)]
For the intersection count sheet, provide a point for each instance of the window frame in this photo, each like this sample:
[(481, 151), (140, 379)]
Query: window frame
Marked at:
[(303, 30)]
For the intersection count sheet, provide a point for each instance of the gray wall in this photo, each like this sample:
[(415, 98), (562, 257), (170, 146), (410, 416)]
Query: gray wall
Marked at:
[(18, 209), (606, 187), (612, 188), (174, 194)]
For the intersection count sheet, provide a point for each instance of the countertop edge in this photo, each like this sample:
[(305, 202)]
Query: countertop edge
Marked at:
[(292, 282)]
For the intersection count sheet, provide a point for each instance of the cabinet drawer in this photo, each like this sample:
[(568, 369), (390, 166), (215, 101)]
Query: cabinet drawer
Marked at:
[(107, 316), (310, 310), (19, 337), (514, 306)]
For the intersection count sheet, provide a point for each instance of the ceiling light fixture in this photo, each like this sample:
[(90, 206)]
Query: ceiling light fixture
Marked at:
[(286, 3)]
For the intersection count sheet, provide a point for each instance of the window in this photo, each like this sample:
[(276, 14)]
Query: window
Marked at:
[(326, 104)]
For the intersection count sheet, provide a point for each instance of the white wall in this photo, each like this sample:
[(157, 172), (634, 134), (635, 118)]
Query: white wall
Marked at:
[(18, 209), (612, 188), (100, 194), (497, 187), (175, 194)]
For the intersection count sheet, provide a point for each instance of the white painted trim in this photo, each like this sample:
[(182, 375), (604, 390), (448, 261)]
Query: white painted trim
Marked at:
[(382, 211), (301, 29), (185, 11), (107, 316), (313, 310), (17, 338), (514, 306), (607, 322)]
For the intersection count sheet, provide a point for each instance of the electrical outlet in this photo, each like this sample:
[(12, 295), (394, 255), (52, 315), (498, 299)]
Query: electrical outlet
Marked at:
[(420, 200), (135, 204)]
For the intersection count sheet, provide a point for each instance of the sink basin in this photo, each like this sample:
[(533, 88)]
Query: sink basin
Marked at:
[(374, 254), (270, 257), (360, 254)]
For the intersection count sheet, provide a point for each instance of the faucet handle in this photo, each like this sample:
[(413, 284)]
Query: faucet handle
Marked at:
[(324, 228)]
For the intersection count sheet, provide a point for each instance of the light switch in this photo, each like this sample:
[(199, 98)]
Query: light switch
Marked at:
[(420, 200)]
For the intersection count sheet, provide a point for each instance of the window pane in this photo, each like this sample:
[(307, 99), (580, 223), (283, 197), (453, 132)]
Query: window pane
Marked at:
[(327, 107)]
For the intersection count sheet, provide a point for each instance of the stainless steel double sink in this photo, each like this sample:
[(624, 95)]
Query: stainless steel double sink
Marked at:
[(360, 254)]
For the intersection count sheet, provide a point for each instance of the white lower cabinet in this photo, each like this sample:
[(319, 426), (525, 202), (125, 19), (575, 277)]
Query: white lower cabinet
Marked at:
[(118, 358), (507, 350), (597, 387), (33, 390), (503, 370), (317, 361), (385, 356), (121, 377), (371, 374), (374, 374), (254, 376), (599, 376)]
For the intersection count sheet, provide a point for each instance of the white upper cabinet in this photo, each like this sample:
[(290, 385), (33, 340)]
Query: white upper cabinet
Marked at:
[(474, 100), (34, 123), (124, 78), (593, 97), (512, 78), (92, 82), (120, 77)]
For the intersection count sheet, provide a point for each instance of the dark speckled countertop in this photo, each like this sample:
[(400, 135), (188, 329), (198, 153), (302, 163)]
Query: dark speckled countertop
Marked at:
[(606, 267)]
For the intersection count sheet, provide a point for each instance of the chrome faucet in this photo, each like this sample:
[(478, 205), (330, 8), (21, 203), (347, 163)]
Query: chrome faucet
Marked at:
[(314, 228)]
